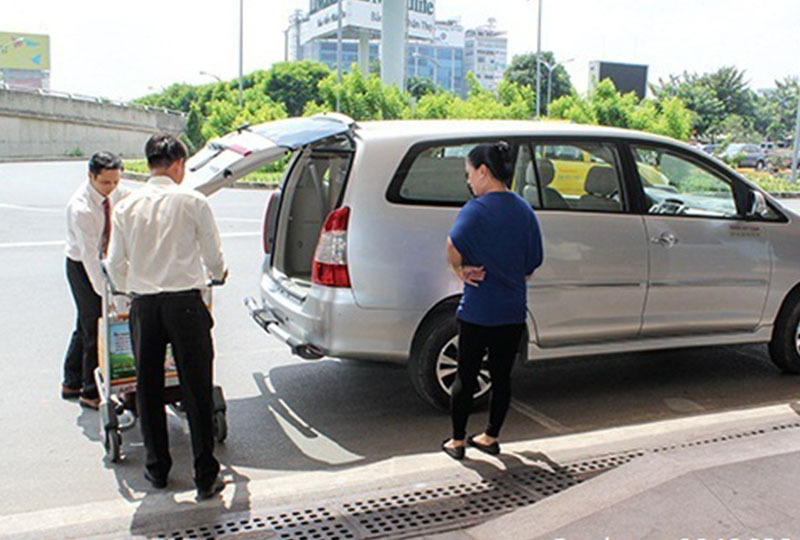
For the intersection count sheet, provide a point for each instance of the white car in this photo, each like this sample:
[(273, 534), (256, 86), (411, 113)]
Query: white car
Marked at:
[(648, 243)]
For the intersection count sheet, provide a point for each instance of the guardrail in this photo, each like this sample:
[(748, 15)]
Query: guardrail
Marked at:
[(87, 98)]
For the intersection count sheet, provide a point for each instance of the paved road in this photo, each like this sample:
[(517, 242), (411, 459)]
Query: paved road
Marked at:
[(285, 415)]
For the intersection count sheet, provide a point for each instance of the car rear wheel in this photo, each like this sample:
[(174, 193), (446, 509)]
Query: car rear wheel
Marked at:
[(760, 165), (784, 349), (434, 363)]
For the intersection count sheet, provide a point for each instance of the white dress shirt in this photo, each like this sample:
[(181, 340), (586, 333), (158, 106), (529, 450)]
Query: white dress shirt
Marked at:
[(85, 222), (162, 236)]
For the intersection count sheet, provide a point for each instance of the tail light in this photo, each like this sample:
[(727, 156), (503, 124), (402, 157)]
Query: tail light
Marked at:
[(330, 257), (270, 221)]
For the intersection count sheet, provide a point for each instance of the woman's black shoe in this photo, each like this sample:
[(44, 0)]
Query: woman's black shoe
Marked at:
[(491, 449), (456, 453)]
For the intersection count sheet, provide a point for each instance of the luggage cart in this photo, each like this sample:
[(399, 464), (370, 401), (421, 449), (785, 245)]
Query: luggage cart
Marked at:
[(116, 374)]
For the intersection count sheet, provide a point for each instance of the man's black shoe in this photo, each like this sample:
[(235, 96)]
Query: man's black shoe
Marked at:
[(208, 492), (158, 483)]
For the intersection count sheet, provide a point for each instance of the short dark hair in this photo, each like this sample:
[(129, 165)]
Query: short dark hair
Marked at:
[(496, 157), (162, 150), (104, 160)]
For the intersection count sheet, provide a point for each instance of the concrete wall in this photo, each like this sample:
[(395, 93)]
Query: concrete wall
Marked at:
[(42, 125)]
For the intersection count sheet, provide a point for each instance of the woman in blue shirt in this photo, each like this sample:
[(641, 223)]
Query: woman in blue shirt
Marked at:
[(493, 247)]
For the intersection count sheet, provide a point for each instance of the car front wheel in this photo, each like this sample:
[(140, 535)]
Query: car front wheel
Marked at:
[(784, 349), (434, 364)]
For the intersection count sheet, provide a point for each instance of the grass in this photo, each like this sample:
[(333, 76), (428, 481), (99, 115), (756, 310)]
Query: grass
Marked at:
[(264, 177)]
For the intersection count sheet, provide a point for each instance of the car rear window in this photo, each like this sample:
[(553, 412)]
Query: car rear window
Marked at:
[(434, 175)]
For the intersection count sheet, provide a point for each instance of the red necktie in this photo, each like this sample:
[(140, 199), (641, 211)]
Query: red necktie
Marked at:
[(106, 225)]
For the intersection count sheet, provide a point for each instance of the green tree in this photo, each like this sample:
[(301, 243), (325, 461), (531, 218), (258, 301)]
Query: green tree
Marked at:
[(194, 127), (361, 98), (420, 86), (522, 71), (605, 106), (295, 83)]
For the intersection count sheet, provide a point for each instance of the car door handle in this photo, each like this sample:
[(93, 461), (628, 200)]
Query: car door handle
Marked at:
[(666, 239)]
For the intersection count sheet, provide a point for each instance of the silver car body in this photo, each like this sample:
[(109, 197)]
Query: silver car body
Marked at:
[(610, 282)]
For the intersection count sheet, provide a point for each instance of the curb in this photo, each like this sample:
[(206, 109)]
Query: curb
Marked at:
[(141, 177)]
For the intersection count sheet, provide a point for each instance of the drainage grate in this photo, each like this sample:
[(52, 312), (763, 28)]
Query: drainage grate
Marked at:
[(308, 524), (435, 508)]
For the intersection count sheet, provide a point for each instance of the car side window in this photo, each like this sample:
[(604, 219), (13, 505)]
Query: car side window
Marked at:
[(674, 185), (579, 176), (436, 175)]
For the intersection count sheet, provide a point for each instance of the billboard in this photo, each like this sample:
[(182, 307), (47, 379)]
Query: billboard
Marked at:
[(365, 15), (24, 51), (626, 77)]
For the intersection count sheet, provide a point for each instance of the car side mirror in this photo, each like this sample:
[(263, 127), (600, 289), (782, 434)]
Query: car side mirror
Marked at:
[(758, 205)]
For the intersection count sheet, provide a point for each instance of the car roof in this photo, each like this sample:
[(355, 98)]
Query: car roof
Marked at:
[(420, 130)]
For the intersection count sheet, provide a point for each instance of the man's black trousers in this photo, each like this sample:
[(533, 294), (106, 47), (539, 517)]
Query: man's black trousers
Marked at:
[(183, 320), (81, 358)]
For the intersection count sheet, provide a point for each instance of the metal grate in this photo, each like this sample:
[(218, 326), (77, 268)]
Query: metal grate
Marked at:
[(307, 524), (435, 508)]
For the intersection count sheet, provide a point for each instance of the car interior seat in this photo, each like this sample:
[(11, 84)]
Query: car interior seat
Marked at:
[(601, 186), (552, 198)]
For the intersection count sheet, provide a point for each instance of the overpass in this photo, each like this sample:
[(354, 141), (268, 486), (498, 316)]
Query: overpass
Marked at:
[(47, 124)]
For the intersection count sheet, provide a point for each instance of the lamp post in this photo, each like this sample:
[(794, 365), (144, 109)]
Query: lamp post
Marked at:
[(211, 75), (550, 68), (796, 141), (241, 49), (436, 67)]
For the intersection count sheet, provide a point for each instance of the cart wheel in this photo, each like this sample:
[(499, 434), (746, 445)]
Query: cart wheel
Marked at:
[(220, 426), (113, 444)]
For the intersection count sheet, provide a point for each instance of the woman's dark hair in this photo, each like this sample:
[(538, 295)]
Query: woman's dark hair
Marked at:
[(163, 150), (496, 157), (104, 160)]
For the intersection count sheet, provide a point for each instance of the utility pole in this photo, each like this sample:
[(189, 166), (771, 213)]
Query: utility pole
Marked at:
[(339, 56), (241, 49), (796, 137), (538, 64)]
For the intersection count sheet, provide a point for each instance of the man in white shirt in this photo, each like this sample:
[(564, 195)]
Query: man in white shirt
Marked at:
[(88, 232), (164, 247)]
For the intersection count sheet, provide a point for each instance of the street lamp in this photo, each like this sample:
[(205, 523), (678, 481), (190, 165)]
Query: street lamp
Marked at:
[(211, 75), (550, 68), (436, 67)]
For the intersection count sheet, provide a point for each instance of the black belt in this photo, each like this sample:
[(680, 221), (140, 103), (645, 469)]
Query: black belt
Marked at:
[(167, 294)]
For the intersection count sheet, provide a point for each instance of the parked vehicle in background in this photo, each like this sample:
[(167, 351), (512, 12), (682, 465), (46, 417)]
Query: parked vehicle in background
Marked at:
[(354, 240), (710, 148), (751, 155), (767, 147)]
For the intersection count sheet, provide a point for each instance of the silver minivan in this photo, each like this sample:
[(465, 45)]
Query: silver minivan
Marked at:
[(649, 243)]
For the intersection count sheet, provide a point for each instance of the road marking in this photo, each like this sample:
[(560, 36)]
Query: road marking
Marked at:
[(12, 245), (48, 243), (538, 417), (243, 220), (31, 208), (308, 440)]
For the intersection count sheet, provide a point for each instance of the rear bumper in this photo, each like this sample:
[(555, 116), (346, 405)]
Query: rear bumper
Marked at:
[(328, 322)]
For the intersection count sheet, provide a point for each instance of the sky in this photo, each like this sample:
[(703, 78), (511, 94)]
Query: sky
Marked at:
[(123, 49)]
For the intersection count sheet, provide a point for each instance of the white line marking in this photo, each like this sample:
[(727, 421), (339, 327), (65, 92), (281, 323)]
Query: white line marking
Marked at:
[(48, 243), (243, 220), (539, 418), (12, 245), (30, 208)]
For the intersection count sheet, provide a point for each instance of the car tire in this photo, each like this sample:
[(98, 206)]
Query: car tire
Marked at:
[(432, 363), (760, 165), (784, 348)]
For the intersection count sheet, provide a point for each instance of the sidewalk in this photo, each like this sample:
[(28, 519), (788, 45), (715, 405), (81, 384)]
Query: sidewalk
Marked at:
[(744, 488)]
